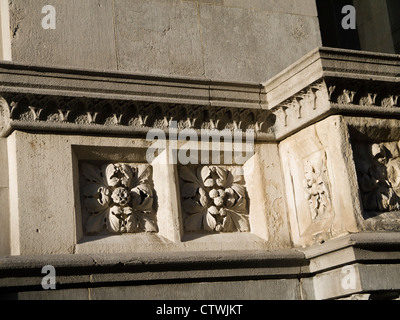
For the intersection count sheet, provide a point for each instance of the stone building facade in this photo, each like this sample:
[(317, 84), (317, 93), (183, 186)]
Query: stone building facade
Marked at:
[(199, 149)]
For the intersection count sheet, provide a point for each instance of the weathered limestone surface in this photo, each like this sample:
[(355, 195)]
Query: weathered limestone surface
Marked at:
[(321, 185), (224, 40), (311, 213)]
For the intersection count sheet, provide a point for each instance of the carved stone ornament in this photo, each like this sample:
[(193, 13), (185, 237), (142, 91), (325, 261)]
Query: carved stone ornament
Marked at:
[(378, 170), (310, 98), (317, 189), (356, 92), (118, 198), (214, 199), (338, 93), (97, 114)]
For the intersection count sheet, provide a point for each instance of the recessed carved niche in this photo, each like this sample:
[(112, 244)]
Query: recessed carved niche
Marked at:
[(375, 146), (214, 199), (378, 173), (117, 198)]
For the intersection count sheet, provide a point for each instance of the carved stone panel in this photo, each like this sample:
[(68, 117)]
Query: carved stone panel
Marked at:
[(378, 173), (117, 198), (214, 199), (317, 187), (319, 190)]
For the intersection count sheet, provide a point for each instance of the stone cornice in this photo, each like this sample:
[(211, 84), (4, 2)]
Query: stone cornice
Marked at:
[(87, 83), (333, 81), (89, 101), (94, 270), (325, 82)]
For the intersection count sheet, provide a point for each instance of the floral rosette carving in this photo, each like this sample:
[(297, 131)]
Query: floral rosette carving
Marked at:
[(118, 198), (214, 199)]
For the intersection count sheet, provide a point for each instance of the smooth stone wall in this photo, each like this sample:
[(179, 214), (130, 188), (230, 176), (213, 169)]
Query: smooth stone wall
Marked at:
[(227, 40)]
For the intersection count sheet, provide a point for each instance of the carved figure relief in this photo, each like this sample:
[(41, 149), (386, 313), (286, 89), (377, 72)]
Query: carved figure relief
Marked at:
[(378, 170), (317, 188), (118, 198), (214, 199)]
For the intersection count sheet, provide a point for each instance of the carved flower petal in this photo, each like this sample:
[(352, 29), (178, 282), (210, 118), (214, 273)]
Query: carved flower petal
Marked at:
[(96, 197), (96, 222), (230, 198), (225, 177), (144, 173), (204, 173), (132, 224), (204, 199), (239, 189), (209, 222), (119, 174), (142, 197), (113, 222)]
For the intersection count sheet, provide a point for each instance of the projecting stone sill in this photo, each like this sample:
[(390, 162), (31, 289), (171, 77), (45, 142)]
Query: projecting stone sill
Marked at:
[(147, 242)]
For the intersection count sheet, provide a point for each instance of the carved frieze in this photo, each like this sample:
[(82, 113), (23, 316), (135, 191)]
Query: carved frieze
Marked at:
[(309, 99), (214, 199), (117, 198), (364, 94), (335, 93), (134, 115)]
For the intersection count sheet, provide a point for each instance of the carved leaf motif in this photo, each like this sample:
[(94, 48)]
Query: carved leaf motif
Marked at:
[(209, 222), (240, 206), (119, 174), (194, 222), (96, 197), (132, 224), (189, 190), (113, 220), (142, 197), (215, 200), (143, 175), (239, 220), (225, 177), (92, 174), (96, 222), (191, 206), (119, 197), (189, 175)]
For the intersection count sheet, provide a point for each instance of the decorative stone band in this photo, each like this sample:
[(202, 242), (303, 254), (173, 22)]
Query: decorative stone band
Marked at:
[(335, 96), (332, 81), (58, 99), (326, 81), (59, 113)]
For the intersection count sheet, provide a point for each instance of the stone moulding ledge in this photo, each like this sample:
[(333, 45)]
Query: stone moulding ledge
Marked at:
[(96, 269), (333, 81), (87, 101), (324, 82), (366, 252)]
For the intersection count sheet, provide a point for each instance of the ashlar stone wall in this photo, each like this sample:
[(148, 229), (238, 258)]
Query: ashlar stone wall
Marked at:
[(227, 40)]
